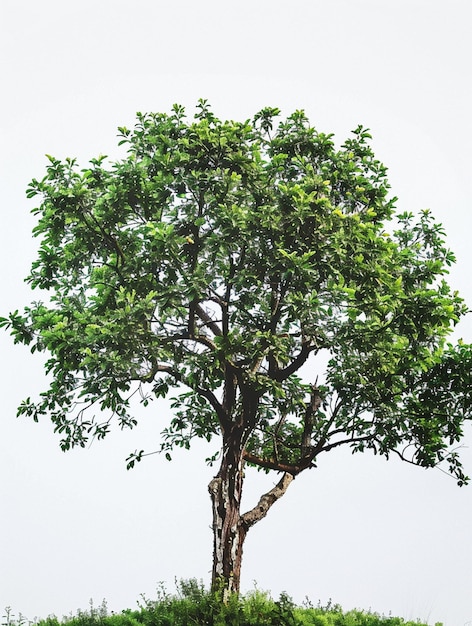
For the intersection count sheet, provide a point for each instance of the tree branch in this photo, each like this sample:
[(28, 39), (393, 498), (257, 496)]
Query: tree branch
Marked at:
[(308, 420), (410, 461), (229, 390), (298, 361), (209, 321), (341, 442), (266, 501), (106, 236), (201, 391), (204, 340), (271, 464)]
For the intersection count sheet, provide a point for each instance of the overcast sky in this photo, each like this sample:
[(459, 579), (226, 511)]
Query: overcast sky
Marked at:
[(362, 531)]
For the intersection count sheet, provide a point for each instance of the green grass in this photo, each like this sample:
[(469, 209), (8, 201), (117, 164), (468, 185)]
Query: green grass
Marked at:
[(192, 605)]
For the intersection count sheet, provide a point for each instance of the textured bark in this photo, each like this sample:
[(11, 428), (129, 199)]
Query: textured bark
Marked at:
[(266, 501), (228, 533), (229, 526)]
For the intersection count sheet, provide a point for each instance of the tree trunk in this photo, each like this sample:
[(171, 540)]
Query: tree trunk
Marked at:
[(228, 532), (230, 527)]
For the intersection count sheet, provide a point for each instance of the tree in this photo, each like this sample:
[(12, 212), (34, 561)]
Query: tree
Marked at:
[(219, 259)]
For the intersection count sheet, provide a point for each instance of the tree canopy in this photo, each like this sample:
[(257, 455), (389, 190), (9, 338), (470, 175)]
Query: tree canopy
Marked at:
[(260, 274)]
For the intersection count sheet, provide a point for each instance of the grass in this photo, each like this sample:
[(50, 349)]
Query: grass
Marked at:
[(192, 605)]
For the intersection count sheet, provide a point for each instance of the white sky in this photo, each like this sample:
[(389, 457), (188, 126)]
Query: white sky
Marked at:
[(362, 531)]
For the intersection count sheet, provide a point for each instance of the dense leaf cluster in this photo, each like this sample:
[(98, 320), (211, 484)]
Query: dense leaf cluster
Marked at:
[(219, 258)]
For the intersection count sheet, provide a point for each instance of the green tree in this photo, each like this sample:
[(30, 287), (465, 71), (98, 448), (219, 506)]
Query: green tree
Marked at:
[(219, 258)]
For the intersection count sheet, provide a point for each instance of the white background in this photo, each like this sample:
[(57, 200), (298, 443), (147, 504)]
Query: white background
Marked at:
[(362, 531)]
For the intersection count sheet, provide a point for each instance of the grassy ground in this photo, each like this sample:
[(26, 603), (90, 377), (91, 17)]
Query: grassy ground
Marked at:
[(192, 605)]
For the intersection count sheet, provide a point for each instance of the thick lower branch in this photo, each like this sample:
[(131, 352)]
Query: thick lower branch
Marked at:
[(271, 464), (267, 500)]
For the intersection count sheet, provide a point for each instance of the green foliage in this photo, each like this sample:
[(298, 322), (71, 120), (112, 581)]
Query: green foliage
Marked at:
[(213, 261), (193, 606)]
